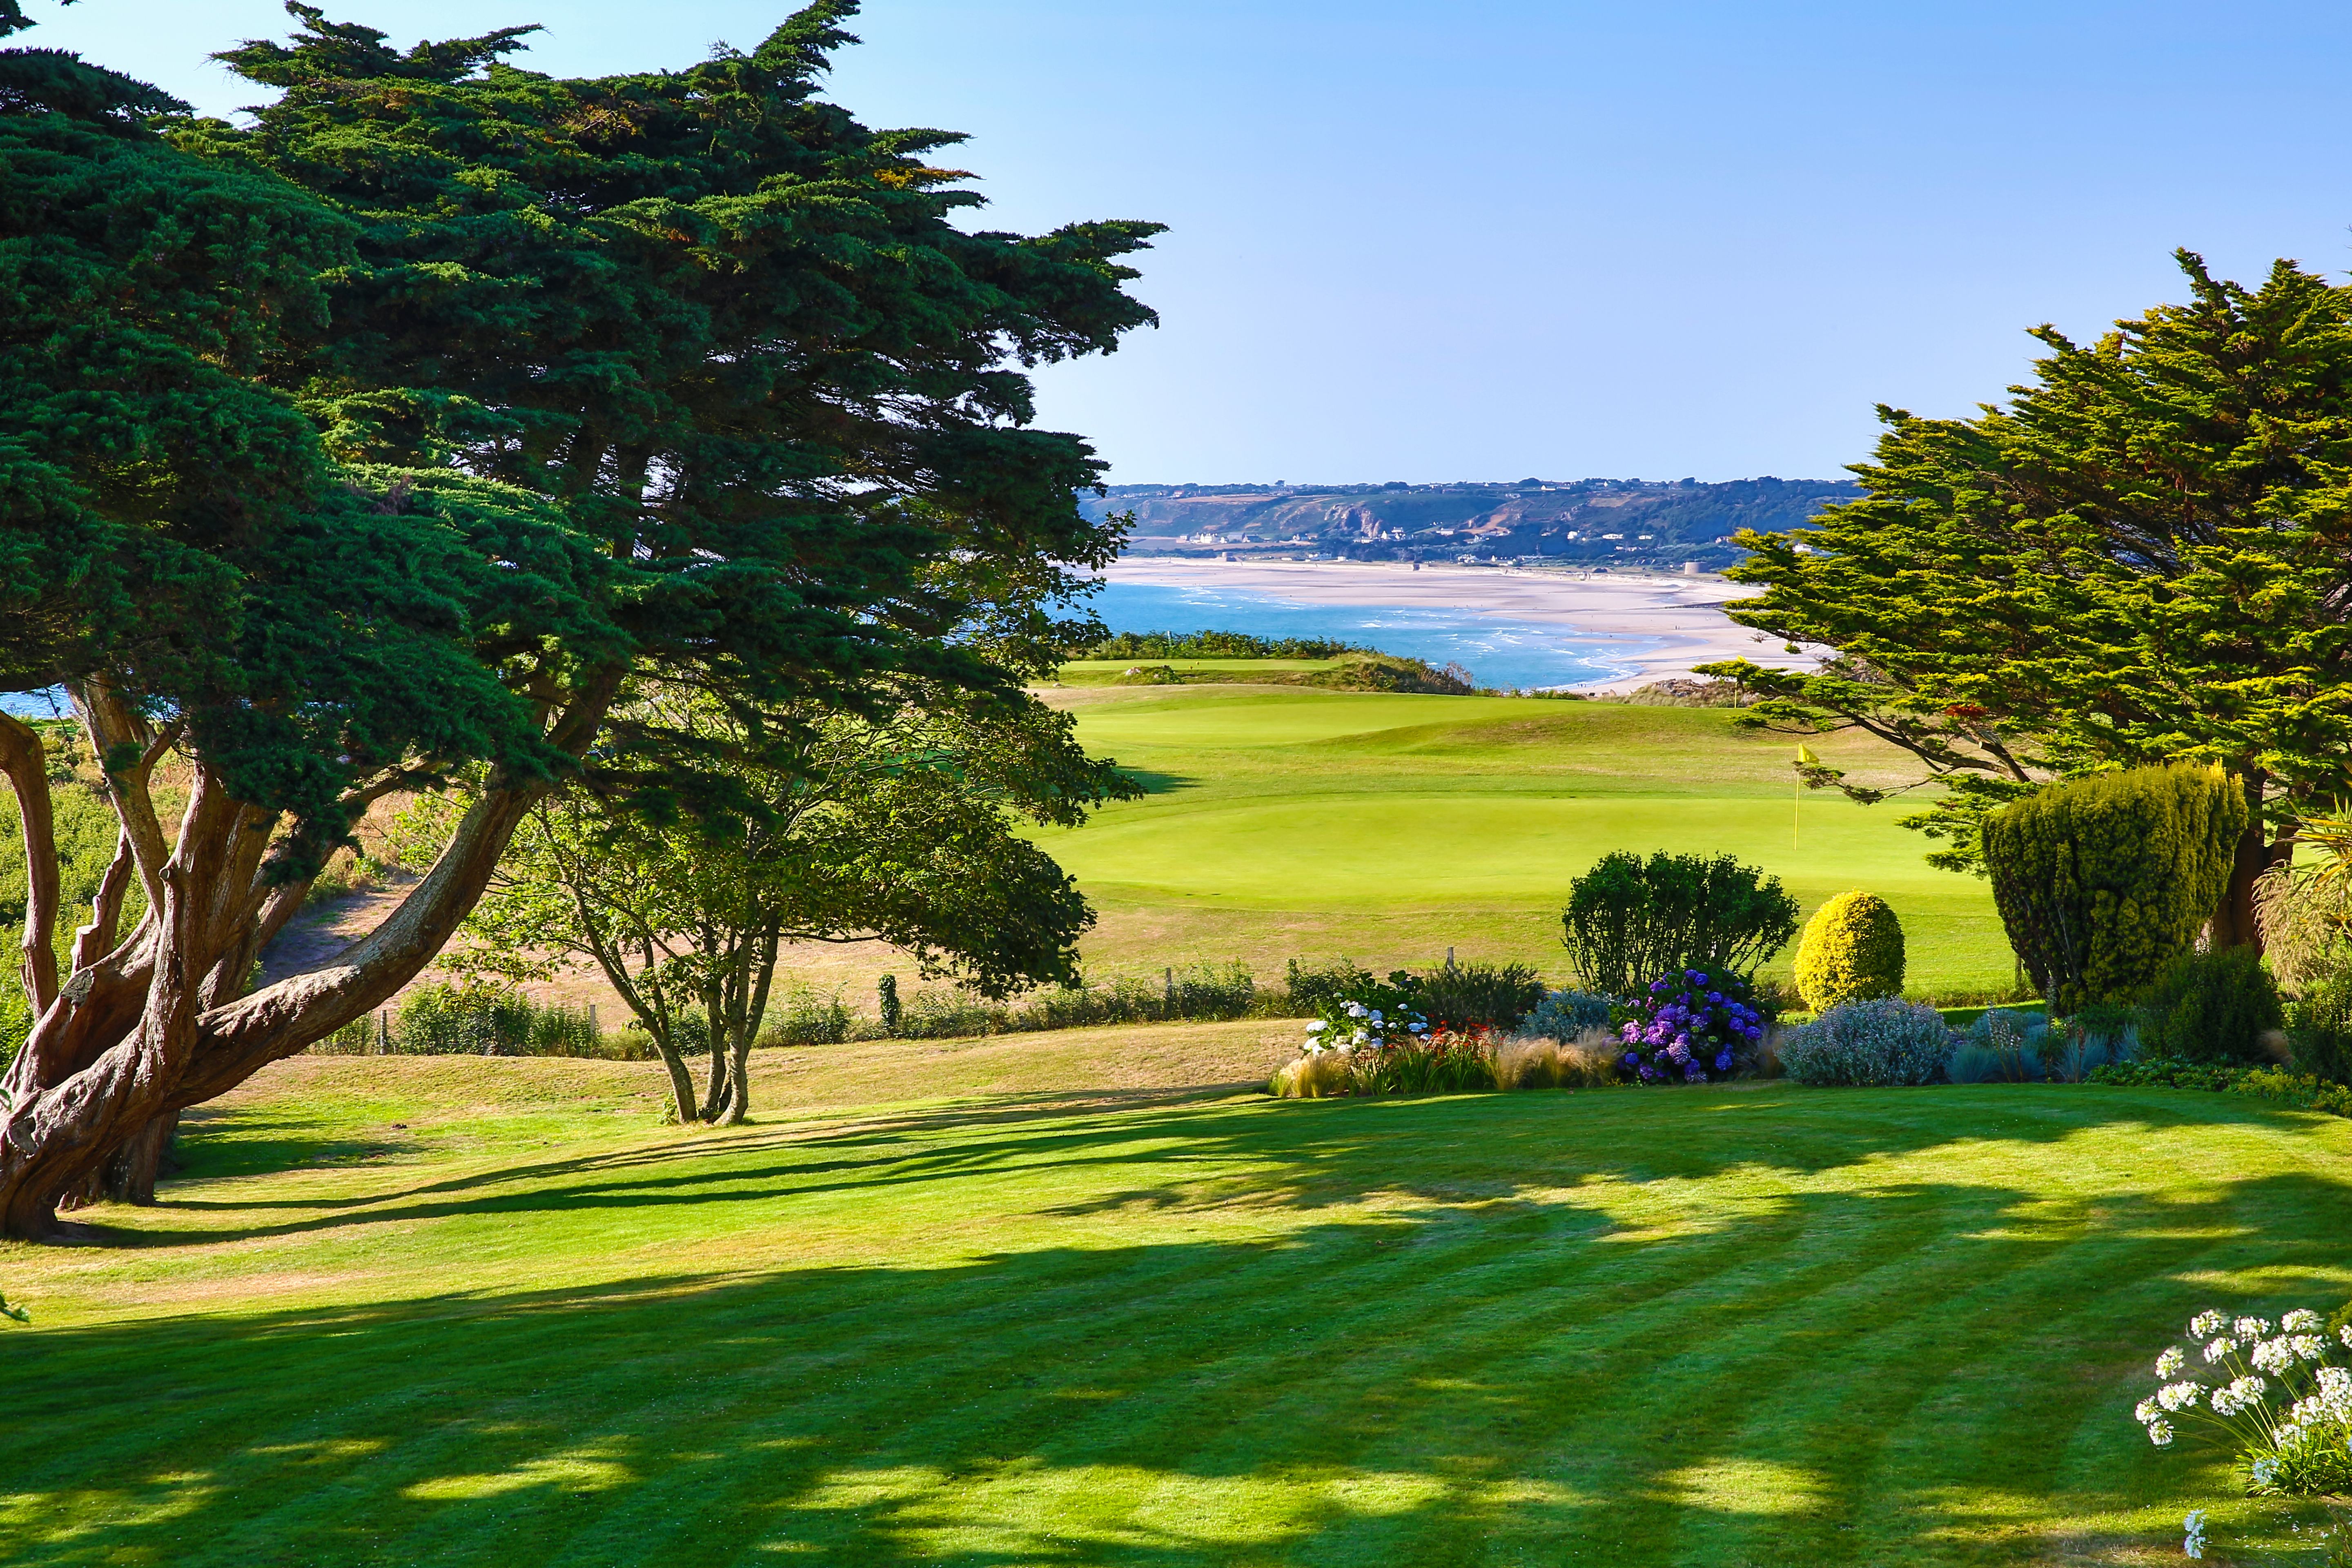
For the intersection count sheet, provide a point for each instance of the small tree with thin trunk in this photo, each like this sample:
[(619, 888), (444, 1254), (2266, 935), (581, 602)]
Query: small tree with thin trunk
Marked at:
[(841, 829)]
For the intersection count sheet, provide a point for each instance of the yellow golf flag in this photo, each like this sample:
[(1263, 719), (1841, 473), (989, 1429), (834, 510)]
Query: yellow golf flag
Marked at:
[(1805, 758)]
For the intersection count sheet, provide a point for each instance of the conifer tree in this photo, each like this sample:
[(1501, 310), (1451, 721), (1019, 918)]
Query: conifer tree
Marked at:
[(2145, 556)]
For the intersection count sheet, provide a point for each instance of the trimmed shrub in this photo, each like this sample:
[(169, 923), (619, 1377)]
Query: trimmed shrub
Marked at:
[(1565, 1014), (2103, 881), (1628, 918), (2213, 1006), (2319, 1029), (1851, 949), (1478, 996), (1883, 1041)]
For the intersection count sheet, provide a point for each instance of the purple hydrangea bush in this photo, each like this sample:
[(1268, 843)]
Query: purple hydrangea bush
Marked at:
[(1690, 1027)]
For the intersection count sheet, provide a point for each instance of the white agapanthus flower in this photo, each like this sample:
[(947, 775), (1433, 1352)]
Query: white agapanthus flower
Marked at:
[(2170, 1361), (2207, 1322), (2145, 1411), (2276, 1356), (2178, 1395), (2219, 1347), (2344, 1333), (2302, 1321), (2193, 1540), (2334, 1385), (2242, 1395), (2306, 1347), (2160, 1432), (2251, 1328), (2265, 1471)]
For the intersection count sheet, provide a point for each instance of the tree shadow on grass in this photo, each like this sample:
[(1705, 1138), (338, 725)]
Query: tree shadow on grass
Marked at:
[(1456, 1152), (1921, 1373)]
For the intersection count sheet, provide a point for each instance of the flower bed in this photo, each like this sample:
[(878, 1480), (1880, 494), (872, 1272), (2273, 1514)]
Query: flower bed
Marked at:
[(1690, 1028)]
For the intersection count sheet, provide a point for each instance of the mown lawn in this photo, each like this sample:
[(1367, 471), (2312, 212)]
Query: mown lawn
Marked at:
[(1086, 1299), (1287, 821)]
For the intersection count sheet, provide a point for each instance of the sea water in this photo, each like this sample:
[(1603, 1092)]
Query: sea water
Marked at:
[(1497, 650)]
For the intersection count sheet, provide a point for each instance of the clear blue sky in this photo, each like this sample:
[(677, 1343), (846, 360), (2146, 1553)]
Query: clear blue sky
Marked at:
[(1487, 240)]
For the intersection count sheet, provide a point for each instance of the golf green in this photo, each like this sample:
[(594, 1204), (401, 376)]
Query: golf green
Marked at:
[(1287, 821)]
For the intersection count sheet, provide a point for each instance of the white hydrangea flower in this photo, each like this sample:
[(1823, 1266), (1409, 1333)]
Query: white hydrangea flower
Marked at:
[(2145, 1411), (1317, 1026), (2251, 1328), (2160, 1432), (2219, 1347), (1355, 1009), (2207, 1322), (2275, 1356), (2178, 1395), (2170, 1361), (2302, 1321)]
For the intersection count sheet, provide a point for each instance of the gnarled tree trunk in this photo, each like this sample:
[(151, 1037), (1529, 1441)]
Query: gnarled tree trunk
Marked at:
[(161, 1022)]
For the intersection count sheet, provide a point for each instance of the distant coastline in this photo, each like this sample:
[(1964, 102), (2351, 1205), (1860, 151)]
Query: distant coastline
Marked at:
[(1662, 625)]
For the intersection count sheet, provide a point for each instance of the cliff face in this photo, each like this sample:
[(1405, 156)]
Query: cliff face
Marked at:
[(1651, 523)]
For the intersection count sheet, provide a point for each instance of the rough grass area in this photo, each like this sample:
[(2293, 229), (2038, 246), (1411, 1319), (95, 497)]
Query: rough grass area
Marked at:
[(1392, 827), (1079, 1300)]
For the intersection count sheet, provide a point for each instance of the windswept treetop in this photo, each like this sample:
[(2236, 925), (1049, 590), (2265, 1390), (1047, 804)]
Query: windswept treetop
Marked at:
[(2145, 556)]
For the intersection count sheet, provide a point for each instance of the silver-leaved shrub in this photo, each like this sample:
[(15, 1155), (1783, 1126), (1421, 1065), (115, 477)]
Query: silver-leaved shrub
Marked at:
[(1883, 1041)]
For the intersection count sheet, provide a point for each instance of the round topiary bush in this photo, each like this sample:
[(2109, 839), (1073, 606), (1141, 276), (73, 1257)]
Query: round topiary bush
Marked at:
[(1852, 949)]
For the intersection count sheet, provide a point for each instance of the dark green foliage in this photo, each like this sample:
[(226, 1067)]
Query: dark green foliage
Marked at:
[(1309, 986), (2140, 555), (2102, 881), (2319, 1025), (1199, 993), (1476, 996), (2170, 1072), (1212, 644), (2212, 1007), (806, 1017), (1450, 1064), (1629, 920), (486, 1021), (886, 996)]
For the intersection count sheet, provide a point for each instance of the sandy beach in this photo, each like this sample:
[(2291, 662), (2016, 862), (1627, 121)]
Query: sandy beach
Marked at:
[(1663, 625)]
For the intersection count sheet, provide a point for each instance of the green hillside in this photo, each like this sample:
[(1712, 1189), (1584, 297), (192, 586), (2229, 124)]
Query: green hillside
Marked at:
[(1392, 827)]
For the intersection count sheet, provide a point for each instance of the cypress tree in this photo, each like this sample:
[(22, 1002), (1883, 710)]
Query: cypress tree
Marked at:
[(2104, 880)]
